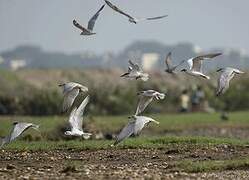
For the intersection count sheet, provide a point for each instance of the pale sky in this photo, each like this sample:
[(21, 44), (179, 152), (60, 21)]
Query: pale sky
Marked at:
[(48, 23)]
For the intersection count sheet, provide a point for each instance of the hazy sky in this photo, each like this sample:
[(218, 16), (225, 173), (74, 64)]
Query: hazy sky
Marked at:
[(48, 23)]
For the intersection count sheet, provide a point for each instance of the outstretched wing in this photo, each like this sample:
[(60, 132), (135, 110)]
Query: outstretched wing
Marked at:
[(76, 24), (69, 98), (223, 81), (19, 128), (197, 61), (144, 101), (115, 8), (127, 131), (140, 122), (72, 121), (208, 56), (134, 66), (168, 61), (92, 21), (157, 17), (80, 111)]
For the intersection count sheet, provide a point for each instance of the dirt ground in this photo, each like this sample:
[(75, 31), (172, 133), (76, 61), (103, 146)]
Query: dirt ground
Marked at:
[(118, 163)]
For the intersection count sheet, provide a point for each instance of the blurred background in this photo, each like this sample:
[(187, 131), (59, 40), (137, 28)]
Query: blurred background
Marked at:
[(40, 48)]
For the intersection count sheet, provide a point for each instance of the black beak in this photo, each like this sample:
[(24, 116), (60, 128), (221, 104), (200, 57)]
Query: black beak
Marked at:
[(219, 70)]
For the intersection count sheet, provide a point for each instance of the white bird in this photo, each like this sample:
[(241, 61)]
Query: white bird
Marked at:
[(89, 30), (18, 129), (226, 75), (135, 72), (195, 65), (70, 91), (131, 19), (146, 98), (134, 126), (76, 120), (171, 68)]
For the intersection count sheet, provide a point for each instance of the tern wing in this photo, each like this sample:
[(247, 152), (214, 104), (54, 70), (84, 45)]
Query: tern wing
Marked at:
[(157, 17), (115, 8), (127, 131), (142, 104), (92, 21), (69, 98)]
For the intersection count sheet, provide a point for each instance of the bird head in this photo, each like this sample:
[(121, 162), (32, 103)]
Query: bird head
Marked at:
[(15, 123), (132, 117), (140, 92), (61, 84), (68, 133)]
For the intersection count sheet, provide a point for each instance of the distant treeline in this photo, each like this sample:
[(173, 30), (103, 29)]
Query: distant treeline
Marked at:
[(36, 92)]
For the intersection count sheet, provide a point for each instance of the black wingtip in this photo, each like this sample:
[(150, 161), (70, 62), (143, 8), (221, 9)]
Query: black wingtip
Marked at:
[(218, 70), (217, 54)]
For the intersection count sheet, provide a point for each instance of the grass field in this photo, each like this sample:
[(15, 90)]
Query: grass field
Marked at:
[(181, 146), (170, 124)]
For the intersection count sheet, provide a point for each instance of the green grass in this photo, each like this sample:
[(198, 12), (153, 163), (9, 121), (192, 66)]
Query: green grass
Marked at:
[(213, 165), (168, 123), (165, 142)]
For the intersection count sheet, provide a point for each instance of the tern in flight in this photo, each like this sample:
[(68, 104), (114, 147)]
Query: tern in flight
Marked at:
[(135, 125), (18, 129), (89, 30), (195, 65), (226, 75), (76, 120), (146, 98), (135, 72)]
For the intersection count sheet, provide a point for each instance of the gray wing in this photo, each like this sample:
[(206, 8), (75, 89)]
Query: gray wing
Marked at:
[(157, 17), (142, 104), (127, 131), (208, 56), (139, 125), (80, 111), (69, 98), (92, 21), (197, 61), (115, 8), (19, 128), (168, 61), (224, 80), (197, 65), (134, 66)]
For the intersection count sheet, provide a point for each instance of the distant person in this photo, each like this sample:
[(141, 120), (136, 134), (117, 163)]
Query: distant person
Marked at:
[(197, 99), (184, 98)]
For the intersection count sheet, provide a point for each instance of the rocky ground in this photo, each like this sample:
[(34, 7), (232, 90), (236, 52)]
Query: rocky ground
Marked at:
[(120, 163)]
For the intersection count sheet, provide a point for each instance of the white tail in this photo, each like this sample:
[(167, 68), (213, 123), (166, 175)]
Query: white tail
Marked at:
[(86, 135)]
